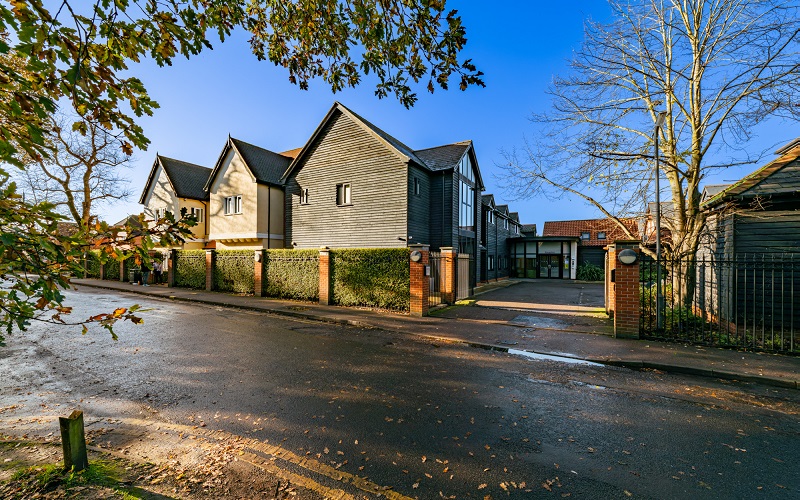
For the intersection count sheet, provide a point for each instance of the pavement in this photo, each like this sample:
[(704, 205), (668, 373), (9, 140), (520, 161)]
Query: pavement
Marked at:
[(498, 319)]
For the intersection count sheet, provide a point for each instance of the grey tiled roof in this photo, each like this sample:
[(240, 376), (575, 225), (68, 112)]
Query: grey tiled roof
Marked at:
[(443, 157), (486, 198), (266, 165), (188, 179), (714, 189), (514, 216), (529, 228), (502, 208)]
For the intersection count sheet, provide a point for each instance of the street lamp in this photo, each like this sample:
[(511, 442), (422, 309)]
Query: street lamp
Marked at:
[(659, 296)]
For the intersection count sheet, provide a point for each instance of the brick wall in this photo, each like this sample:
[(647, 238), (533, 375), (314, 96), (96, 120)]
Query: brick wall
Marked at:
[(624, 292), (420, 282)]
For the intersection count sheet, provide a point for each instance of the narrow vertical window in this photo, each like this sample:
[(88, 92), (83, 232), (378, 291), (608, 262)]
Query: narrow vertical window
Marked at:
[(198, 214), (416, 186), (233, 205), (304, 196)]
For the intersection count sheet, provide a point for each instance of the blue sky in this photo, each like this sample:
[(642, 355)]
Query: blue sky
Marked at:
[(519, 49)]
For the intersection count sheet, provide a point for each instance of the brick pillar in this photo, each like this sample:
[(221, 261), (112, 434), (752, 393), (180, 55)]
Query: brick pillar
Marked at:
[(258, 273), (325, 295), (210, 270), (172, 260), (626, 292), (448, 275), (420, 280), (122, 276)]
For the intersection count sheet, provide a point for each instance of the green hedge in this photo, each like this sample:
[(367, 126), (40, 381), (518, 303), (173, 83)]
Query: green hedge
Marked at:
[(373, 277), (590, 272), (190, 269), (233, 271), (112, 269), (93, 264), (292, 274)]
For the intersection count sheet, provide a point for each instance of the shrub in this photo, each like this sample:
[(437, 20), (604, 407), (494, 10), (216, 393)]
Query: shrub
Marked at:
[(233, 271), (590, 272), (112, 269), (93, 264), (292, 274), (190, 269), (374, 277)]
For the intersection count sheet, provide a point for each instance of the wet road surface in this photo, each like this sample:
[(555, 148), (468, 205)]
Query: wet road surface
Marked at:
[(425, 419)]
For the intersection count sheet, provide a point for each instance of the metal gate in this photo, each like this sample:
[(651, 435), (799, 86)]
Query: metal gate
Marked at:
[(435, 262), (465, 273)]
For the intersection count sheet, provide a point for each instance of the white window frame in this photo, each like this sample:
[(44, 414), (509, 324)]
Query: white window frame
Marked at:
[(491, 263), (344, 194), (416, 186), (586, 235), (601, 235), (505, 223), (233, 205), (516, 229), (199, 213), (491, 216), (304, 196)]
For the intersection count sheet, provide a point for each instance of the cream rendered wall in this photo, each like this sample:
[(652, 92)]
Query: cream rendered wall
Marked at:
[(161, 196), (234, 178), (277, 218), (200, 231)]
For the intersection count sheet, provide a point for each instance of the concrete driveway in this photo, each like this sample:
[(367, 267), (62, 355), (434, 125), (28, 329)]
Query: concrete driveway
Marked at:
[(536, 303)]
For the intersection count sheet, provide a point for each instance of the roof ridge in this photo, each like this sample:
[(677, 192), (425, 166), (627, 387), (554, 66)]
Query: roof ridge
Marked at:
[(257, 146), (181, 161), (459, 143)]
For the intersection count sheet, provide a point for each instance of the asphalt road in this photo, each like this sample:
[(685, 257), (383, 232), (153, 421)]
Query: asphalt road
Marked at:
[(425, 419)]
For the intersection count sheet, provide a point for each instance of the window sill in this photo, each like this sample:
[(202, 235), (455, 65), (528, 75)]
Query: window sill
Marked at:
[(345, 205)]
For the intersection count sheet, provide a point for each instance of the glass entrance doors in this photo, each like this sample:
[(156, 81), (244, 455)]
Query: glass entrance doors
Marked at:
[(550, 266)]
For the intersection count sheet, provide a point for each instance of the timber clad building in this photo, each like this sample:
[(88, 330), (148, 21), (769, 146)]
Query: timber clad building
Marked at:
[(350, 185)]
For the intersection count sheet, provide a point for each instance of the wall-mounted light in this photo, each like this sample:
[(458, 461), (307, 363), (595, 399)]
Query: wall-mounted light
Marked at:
[(416, 256), (627, 256)]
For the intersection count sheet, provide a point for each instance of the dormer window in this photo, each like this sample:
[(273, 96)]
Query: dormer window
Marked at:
[(586, 235)]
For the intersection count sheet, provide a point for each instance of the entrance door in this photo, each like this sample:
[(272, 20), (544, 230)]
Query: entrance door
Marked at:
[(550, 266)]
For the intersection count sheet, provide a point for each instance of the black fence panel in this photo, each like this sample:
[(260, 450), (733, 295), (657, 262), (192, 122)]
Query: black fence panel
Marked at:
[(750, 301)]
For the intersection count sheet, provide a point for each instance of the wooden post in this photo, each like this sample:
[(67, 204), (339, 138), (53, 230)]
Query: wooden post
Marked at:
[(122, 276), (73, 441), (102, 271)]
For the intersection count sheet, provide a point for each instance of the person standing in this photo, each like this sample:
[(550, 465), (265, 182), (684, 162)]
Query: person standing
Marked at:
[(145, 273), (157, 271)]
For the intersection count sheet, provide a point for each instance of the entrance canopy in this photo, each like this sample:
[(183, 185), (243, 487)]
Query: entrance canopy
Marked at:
[(548, 257)]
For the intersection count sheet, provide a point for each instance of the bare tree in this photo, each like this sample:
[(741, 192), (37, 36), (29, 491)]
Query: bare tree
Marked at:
[(83, 172), (717, 68)]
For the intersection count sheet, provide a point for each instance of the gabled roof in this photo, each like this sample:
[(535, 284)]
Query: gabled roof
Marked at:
[(443, 157), (131, 220), (787, 154), (266, 166), (187, 179), (573, 228), (514, 216), (487, 200), (398, 147), (712, 190), (503, 209), (529, 228), (435, 159)]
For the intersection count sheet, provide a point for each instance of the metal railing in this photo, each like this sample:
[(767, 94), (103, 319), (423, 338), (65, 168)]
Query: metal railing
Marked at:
[(435, 261), (750, 301)]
